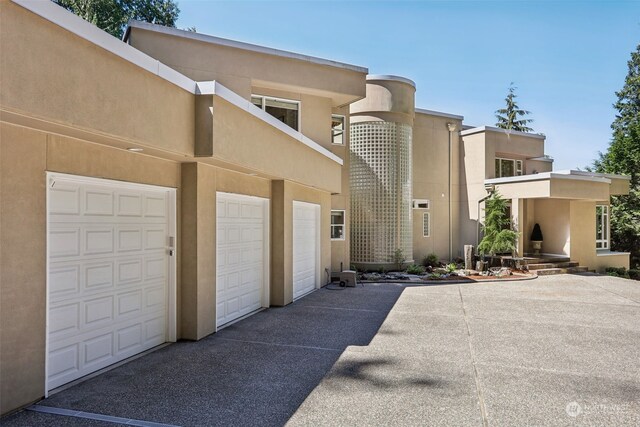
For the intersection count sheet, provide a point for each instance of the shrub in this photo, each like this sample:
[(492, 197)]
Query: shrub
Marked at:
[(498, 235), (415, 269), (451, 267), (399, 258), (617, 272), (634, 274), (431, 260)]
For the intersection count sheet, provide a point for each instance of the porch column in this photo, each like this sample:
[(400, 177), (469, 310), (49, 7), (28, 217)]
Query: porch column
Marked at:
[(517, 219)]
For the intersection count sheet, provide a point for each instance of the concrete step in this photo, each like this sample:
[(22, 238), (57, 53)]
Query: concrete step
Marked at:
[(568, 264), (544, 260), (551, 271)]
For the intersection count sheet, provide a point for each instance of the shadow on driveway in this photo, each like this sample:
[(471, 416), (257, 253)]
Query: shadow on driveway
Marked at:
[(255, 372)]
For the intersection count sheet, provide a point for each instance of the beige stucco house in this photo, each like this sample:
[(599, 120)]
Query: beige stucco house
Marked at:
[(164, 186), (419, 179)]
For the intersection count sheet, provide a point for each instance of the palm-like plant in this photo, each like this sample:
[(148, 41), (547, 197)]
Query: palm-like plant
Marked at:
[(512, 116)]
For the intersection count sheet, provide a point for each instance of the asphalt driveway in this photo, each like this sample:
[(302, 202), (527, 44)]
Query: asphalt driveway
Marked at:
[(558, 350)]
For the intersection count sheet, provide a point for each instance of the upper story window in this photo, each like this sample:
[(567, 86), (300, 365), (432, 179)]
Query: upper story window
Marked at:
[(602, 227), (285, 110), (337, 129), (337, 225), (508, 167)]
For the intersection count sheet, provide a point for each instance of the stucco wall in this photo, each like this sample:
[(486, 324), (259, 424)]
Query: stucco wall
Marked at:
[(117, 98), (430, 181), (241, 139), (553, 215), (340, 249), (241, 69)]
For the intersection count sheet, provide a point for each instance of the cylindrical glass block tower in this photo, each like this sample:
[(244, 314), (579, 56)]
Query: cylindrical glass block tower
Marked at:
[(380, 172)]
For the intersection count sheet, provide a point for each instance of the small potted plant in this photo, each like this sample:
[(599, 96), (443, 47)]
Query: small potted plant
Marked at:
[(536, 239)]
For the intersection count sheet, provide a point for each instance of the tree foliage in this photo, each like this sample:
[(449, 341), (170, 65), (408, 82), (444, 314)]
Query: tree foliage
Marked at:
[(498, 235), (112, 15), (512, 117), (623, 157)]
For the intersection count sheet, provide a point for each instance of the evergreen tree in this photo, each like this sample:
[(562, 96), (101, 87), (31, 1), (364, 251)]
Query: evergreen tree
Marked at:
[(498, 235), (623, 157), (112, 15), (513, 117)]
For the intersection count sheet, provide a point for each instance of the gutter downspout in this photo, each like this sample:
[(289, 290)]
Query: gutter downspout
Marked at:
[(491, 189), (452, 128)]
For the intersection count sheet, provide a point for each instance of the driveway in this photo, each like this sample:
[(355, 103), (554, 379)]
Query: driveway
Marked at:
[(558, 350)]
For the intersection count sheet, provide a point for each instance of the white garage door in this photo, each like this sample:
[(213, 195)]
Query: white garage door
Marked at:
[(306, 250), (109, 273), (242, 256)]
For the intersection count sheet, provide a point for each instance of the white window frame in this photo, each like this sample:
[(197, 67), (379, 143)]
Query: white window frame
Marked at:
[(343, 225), (274, 98), (344, 129), (417, 202), (603, 244), (426, 216), (518, 167)]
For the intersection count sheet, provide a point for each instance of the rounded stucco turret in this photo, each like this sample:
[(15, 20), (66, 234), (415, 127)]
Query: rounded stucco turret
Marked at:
[(380, 172)]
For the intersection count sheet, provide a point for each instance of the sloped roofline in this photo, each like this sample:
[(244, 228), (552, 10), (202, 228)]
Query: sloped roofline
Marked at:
[(238, 45), (499, 130)]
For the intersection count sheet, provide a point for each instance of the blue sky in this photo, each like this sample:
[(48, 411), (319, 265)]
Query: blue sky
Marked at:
[(567, 58)]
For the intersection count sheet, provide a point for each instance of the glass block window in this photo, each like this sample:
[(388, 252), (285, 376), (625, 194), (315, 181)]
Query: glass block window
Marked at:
[(337, 225), (337, 129), (508, 167), (285, 110), (381, 190), (602, 227), (426, 224)]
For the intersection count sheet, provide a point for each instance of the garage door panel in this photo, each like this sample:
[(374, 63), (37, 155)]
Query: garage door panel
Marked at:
[(241, 228), (64, 242), (64, 281), (98, 240), (155, 206), (129, 204), (129, 271), (98, 276), (129, 303), (108, 275), (98, 349), (98, 202), (129, 239)]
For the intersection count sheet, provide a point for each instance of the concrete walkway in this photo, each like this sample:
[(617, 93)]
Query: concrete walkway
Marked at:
[(560, 350)]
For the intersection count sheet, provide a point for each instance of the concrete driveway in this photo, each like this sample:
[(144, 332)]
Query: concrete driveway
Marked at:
[(558, 350)]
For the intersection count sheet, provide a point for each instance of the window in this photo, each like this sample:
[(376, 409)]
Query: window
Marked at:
[(337, 129), (337, 225), (508, 167), (602, 227), (285, 110), (426, 224), (420, 204)]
